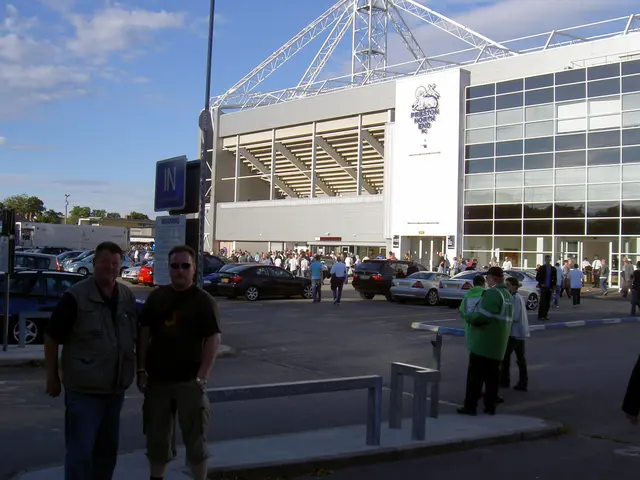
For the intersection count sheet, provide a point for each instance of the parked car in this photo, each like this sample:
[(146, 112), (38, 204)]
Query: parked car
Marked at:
[(210, 281), (374, 277), (258, 281), (51, 250), (84, 266), (70, 254), (34, 292), (74, 258), (453, 290), (418, 286), (145, 275), (36, 261), (131, 273)]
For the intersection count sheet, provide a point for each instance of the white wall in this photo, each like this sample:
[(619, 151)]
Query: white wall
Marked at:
[(424, 181)]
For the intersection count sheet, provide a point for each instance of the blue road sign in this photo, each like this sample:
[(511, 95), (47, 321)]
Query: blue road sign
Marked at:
[(171, 183)]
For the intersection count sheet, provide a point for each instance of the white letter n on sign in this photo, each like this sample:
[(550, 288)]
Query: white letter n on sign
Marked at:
[(169, 179)]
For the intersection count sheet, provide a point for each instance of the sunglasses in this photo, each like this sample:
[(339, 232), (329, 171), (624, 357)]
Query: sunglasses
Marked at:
[(183, 266)]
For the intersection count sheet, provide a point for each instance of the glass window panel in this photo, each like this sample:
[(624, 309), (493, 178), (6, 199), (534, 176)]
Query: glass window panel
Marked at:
[(574, 125), (571, 110), (631, 101), (537, 244), (509, 101), (538, 194), (481, 90), (538, 210), (508, 211), (604, 106), (538, 227), (606, 156), (603, 227), (507, 164), (508, 227), (631, 191), (570, 76), (482, 135), (631, 84), (509, 195), (603, 87), (510, 86), (477, 243), (479, 151), (603, 209), (570, 176), (631, 209), (603, 174), (479, 120), (479, 181), (631, 136), (478, 228), (571, 92), (511, 179), (631, 119), (478, 212), (631, 155), (478, 197), (571, 159), (481, 105), (539, 129), (569, 227), (509, 148), (603, 192), (479, 166), (631, 173), (603, 71), (511, 132), (538, 177), (631, 226), (569, 210), (605, 121), (570, 193), (537, 97), (538, 81), (541, 112), (629, 68), (532, 162), (505, 117), (508, 244), (538, 145), (604, 139)]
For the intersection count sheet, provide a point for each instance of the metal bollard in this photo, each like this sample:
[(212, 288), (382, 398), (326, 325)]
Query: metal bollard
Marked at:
[(22, 330), (419, 421), (435, 387), (374, 414)]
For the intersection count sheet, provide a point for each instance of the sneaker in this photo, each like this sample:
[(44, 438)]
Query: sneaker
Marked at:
[(465, 411), (520, 388), (499, 399)]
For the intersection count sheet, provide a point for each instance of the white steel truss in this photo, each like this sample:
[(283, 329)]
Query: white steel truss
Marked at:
[(369, 22)]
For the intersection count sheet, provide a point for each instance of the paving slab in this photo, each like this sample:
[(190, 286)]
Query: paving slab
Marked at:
[(300, 453)]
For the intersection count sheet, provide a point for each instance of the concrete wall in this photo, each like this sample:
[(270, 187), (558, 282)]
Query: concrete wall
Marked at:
[(248, 188), (354, 219)]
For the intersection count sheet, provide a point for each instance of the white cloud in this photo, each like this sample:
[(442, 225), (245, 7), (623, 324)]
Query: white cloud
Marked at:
[(3, 140)]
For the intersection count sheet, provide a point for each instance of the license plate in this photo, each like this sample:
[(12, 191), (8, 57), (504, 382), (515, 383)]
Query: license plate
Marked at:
[(224, 280), (450, 286), (364, 277)]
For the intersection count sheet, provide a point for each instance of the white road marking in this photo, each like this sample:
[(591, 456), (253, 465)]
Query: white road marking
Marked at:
[(409, 394), (628, 452)]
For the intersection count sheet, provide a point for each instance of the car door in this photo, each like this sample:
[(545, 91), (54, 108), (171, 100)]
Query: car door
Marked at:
[(56, 286), (284, 284), (261, 277), (20, 293)]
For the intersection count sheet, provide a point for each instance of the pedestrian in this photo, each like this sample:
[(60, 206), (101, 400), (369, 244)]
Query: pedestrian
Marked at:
[(597, 270), (547, 278), (488, 325), (338, 279), (604, 277), (558, 292), (95, 321), (178, 343), (631, 403), (575, 280), (635, 290), (316, 268), (627, 276), (519, 333)]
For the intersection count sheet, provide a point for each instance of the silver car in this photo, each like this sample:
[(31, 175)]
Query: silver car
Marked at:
[(453, 290), (418, 286)]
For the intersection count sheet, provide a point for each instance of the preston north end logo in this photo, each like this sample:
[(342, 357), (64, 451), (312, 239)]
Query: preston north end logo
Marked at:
[(425, 109)]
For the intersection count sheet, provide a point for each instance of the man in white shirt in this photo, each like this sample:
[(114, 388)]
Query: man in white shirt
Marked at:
[(519, 333), (348, 261), (338, 277), (575, 280), (587, 269), (304, 267), (507, 265), (596, 266)]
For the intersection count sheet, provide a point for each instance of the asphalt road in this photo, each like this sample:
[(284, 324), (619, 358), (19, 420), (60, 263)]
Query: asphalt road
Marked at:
[(578, 377)]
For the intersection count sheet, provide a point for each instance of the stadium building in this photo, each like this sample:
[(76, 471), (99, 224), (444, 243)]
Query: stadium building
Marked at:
[(519, 148)]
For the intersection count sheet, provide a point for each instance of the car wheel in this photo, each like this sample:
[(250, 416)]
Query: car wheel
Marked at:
[(366, 296), (432, 298), (31, 332), (83, 271), (307, 292), (532, 301), (252, 294)]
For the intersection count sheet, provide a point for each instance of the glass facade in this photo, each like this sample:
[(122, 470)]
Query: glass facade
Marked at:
[(552, 166)]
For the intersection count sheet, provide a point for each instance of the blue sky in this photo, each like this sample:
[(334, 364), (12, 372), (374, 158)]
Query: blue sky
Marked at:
[(94, 92)]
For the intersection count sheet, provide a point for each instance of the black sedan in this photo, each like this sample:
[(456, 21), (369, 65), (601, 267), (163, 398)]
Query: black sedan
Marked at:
[(259, 281)]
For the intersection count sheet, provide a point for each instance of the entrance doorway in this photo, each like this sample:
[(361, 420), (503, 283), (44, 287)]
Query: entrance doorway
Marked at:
[(424, 250), (578, 250)]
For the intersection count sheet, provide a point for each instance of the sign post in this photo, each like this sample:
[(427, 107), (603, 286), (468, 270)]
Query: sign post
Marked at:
[(171, 184), (170, 232), (8, 252)]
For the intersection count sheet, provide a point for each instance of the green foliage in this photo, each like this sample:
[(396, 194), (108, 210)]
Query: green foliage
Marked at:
[(26, 206), (137, 216)]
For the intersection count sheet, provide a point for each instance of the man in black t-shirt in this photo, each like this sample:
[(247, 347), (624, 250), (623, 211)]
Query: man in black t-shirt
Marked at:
[(178, 343)]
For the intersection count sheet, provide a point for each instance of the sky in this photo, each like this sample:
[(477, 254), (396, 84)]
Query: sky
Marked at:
[(94, 92)]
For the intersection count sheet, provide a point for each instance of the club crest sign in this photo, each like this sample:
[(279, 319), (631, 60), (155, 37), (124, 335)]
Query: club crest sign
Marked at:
[(425, 109)]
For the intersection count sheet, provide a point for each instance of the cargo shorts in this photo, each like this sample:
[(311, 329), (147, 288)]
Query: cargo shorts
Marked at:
[(161, 404)]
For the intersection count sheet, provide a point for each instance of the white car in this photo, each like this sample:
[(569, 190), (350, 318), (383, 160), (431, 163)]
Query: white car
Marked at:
[(418, 286)]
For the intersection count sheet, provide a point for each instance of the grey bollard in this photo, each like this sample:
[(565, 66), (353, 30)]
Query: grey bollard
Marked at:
[(419, 421)]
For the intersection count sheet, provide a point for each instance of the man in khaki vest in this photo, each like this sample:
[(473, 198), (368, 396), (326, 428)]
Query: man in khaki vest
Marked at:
[(96, 324)]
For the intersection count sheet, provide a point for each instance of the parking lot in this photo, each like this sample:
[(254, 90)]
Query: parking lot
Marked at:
[(578, 376)]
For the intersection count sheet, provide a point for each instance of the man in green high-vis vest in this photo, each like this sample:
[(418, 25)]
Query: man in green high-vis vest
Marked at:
[(488, 325)]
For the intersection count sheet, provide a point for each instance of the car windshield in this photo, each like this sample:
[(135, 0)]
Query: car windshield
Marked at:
[(227, 267), (374, 266), (468, 275), (422, 275), (235, 268)]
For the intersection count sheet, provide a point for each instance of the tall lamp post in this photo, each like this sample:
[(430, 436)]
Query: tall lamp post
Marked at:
[(66, 207), (205, 123)]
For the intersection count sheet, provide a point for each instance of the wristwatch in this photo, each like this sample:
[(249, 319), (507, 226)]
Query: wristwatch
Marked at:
[(201, 382)]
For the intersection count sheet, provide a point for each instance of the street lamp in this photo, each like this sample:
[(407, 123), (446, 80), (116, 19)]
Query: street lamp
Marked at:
[(66, 206)]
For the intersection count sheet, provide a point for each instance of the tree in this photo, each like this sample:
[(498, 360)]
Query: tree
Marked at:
[(113, 215), (80, 212), (26, 206), (99, 213), (50, 216), (137, 216)]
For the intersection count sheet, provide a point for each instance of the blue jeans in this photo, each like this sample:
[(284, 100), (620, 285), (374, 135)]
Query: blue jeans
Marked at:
[(316, 284), (557, 295), (337, 293), (603, 284), (92, 433)]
